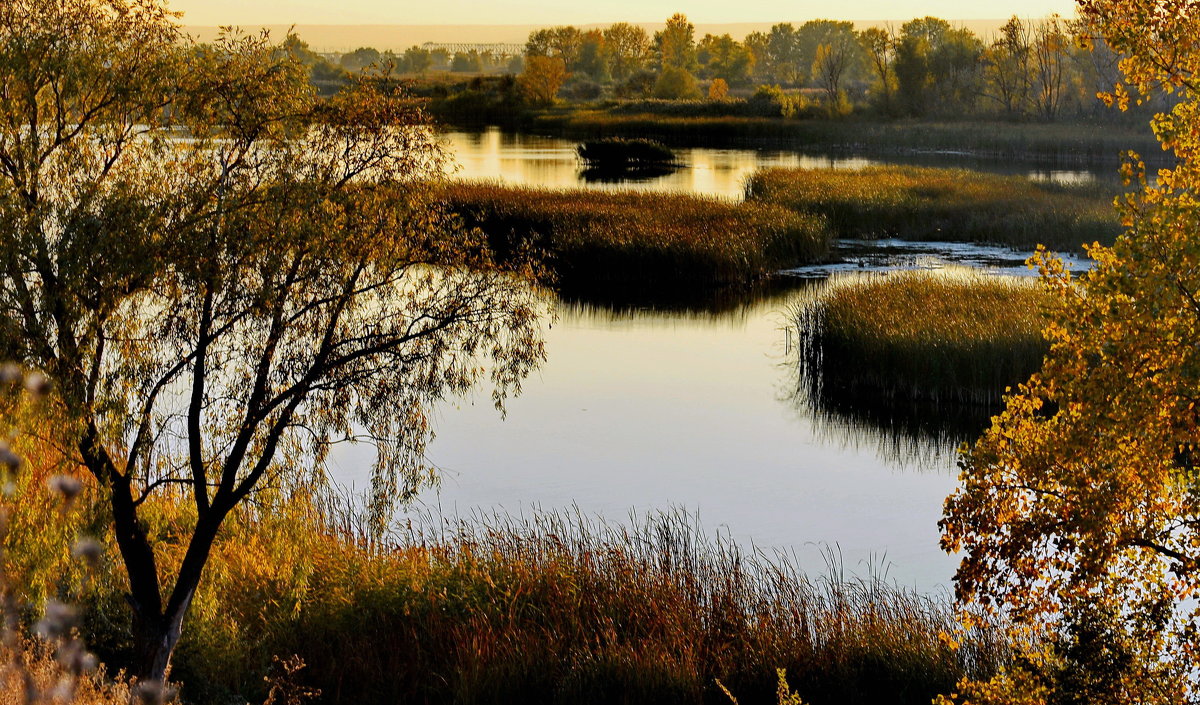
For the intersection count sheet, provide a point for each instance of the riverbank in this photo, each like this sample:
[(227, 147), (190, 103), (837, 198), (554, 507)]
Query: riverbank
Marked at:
[(555, 608), (919, 203), (592, 238), (932, 338), (1068, 143)]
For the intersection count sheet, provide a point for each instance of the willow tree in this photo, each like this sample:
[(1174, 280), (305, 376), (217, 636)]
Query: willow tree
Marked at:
[(1079, 513), (223, 276)]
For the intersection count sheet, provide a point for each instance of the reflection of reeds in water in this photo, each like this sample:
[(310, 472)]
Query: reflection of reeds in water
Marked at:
[(943, 204), (923, 358)]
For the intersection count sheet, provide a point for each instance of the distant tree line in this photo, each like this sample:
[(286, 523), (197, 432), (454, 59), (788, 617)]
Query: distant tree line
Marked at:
[(1031, 69), (927, 67)]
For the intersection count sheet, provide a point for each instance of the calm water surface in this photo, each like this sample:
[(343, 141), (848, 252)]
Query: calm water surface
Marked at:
[(641, 410), (532, 160)]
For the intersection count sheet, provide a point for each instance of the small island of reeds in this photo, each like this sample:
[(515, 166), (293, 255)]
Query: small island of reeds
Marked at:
[(593, 237), (919, 203), (925, 337), (621, 153)]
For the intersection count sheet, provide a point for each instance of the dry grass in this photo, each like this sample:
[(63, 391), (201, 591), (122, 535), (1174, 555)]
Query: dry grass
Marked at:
[(33, 675), (595, 237), (922, 336), (942, 204), (563, 609)]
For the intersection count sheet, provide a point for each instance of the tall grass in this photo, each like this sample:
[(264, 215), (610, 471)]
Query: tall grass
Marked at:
[(926, 337), (559, 608), (942, 204), (553, 608), (637, 238)]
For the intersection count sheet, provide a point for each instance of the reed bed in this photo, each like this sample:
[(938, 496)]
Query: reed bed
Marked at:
[(1051, 143), (921, 337), (618, 152), (635, 238), (921, 203), (559, 608)]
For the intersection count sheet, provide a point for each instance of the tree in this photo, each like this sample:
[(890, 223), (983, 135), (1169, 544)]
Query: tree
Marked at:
[(628, 46), (782, 55), (1049, 53), (724, 57), (676, 44), (593, 57), (360, 58), (1079, 512), (828, 67), (840, 35), (561, 42), (540, 80), (417, 60), (216, 312), (718, 89), (1006, 69), (880, 47), (937, 66), (675, 83)]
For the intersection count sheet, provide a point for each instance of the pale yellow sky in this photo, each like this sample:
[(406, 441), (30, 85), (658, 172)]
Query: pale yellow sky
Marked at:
[(551, 12)]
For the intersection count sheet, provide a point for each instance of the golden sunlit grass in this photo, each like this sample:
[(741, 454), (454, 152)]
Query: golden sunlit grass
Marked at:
[(562, 609), (555, 608), (924, 336), (33, 676), (635, 237), (942, 204)]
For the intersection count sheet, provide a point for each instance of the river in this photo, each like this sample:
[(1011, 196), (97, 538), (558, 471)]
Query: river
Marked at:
[(695, 407)]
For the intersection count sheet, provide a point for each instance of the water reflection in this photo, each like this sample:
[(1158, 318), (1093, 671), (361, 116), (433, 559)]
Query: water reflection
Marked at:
[(910, 436), (647, 405), (610, 175), (534, 160)]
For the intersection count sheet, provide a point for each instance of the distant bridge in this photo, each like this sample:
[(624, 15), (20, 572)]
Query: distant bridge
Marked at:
[(495, 49)]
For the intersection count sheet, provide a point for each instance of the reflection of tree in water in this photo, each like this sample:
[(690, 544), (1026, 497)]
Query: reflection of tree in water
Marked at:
[(620, 175)]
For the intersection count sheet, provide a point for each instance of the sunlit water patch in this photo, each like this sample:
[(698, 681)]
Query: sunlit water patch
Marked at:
[(537, 160), (891, 254)]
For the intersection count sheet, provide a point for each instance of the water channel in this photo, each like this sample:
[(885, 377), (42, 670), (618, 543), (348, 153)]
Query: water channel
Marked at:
[(695, 406)]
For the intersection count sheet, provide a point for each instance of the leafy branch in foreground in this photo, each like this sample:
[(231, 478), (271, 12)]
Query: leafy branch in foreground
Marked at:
[(1079, 514)]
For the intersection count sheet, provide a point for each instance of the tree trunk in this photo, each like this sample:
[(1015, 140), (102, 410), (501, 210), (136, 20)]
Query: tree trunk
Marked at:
[(156, 635), (154, 641)]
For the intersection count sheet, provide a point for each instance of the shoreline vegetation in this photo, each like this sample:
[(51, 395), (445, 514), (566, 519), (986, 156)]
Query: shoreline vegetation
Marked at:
[(939, 340), (594, 237), (1059, 144), (549, 608), (647, 241), (922, 203)]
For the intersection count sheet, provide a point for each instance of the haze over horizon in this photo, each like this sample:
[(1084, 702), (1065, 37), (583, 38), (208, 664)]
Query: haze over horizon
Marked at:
[(541, 13)]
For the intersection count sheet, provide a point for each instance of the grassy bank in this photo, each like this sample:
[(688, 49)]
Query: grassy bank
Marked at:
[(1063, 143), (920, 203), (549, 609), (594, 237), (923, 337), (560, 609)]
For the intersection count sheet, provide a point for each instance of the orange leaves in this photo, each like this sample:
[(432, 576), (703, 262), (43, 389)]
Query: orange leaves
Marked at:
[(1079, 509)]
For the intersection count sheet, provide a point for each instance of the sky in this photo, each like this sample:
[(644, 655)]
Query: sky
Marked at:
[(551, 12)]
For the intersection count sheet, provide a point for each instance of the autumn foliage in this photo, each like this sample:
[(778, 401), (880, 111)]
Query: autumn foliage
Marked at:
[(1079, 514)]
